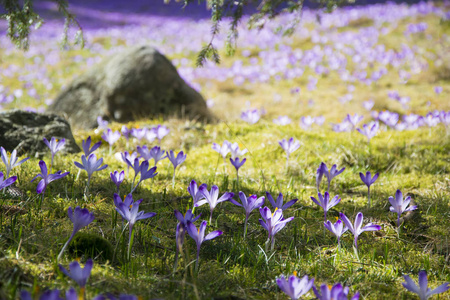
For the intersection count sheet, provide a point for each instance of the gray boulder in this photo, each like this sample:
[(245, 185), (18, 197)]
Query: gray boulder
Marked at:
[(24, 131), (137, 83)]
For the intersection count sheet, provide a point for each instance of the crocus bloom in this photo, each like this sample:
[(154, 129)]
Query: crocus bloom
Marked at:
[(7, 182), (249, 204), (368, 105), (157, 154), (438, 89), (212, 198), (354, 120), (279, 203), (46, 178), (117, 178), (325, 202), (282, 120), (54, 146), (111, 137), (356, 228), (369, 130), (90, 165), (368, 180), (130, 212), (198, 235), (422, 290), (272, 222), (80, 218), (125, 132), (145, 172), (102, 124), (289, 146), (78, 274), (181, 230), (399, 205), (337, 229), (235, 152), (12, 162), (237, 163), (322, 170), (336, 292), (176, 161), (194, 191), (139, 133), (86, 144), (160, 131), (251, 116), (295, 287), (144, 152), (222, 150)]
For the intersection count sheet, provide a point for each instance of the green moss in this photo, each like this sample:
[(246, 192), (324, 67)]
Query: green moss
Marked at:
[(90, 245)]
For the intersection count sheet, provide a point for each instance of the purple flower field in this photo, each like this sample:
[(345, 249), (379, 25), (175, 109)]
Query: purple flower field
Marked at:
[(326, 177)]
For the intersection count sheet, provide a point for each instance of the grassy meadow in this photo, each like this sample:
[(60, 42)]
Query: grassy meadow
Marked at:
[(415, 161)]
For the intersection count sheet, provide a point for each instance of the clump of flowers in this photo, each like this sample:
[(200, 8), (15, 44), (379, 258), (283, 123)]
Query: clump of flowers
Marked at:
[(400, 206), (12, 161), (249, 204), (54, 145), (295, 287), (273, 223), (176, 161), (90, 165), (422, 290)]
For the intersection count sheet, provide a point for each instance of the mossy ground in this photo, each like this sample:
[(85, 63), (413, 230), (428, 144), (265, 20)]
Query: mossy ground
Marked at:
[(417, 162)]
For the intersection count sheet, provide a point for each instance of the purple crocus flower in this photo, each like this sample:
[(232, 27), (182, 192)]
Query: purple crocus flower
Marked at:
[(295, 287), (129, 210), (90, 165), (139, 133), (306, 122), (145, 172), (249, 204), (322, 170), (47, 295), (368, 105), (54, 146), (354, 120), (46, 178), (282, 120), (181, 230), (102, 124), (279, 203), (422, 290), (80, 217), (368, 180), (289, 147), (117, 178), (251, 116), (198, 235), (12, 161), (125, 132), (222, 150), (336, 292), (333, 173), (7, 182), (356, 228), (237, 163), (86, 144), (236, 152), (438, 89), (194, 191), (212, 198), (176, 161), (78, 274), (369, 130), (338, 229), (111, 137), (325, 202), (160, 132), (444, 117), (156, 154), (273, 223), (399, 205)]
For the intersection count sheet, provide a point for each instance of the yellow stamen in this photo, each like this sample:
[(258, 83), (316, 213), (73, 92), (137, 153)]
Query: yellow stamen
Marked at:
[(276, 208), (81, 295), (137, 126), (294, 273), (78, 259), (337, 218)]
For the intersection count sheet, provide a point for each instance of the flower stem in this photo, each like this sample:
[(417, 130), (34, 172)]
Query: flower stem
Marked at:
[(173, 179), (272, 244), (245, 226), (130, 241), (368, 196), (65, 246)]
